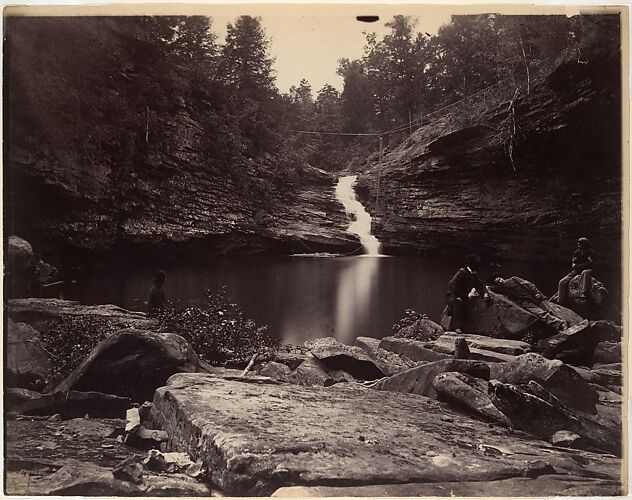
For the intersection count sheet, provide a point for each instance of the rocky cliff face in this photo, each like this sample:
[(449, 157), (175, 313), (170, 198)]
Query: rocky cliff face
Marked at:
[(449, 189), (107, 150)]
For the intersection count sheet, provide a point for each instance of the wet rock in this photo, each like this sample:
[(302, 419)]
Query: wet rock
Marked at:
[(27, 361), (388, 362), (42, 313), (255, 437), (71, 404), (468, 393), (337, 356), (418, 380), (412, 349), (566, 439), (422, 329), (546, 485), (20, 272), (132, 363), (445, 344), (607, 353), (561, 380)]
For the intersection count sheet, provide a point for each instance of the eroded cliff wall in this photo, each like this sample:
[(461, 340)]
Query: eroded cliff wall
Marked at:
[(108, 146), (450, 190)]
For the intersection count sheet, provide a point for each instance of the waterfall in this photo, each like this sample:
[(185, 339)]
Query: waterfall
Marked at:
[(361, 226)]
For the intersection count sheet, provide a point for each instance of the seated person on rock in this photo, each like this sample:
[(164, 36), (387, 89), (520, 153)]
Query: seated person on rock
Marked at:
[(157, 300), (460, 286), (582, 264), (526, 295)]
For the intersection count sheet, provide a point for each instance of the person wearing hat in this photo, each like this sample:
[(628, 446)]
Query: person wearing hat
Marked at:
[(582, 264), (460, 287), (157, 300)]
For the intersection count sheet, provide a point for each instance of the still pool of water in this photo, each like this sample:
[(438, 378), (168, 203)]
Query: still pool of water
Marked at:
[(302, 298)]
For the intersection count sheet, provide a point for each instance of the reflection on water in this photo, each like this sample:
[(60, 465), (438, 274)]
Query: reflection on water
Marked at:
[(306, 298)]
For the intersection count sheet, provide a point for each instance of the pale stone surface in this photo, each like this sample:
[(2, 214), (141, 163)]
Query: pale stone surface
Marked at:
[(389, 362), (418, 380), (412, 349), (40, 313), (547, 485), (445, 343), (338, 356), (26, 360), (256, 436)]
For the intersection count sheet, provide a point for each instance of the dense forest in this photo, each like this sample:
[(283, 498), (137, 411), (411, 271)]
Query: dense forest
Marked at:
[(134, 121)]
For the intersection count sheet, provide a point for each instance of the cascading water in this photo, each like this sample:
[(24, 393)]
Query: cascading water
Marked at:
[(361, 226)]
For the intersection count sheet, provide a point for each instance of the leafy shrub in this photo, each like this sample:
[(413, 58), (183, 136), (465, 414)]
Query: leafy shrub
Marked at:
[(72, 338), (410, 318), (218, 330)]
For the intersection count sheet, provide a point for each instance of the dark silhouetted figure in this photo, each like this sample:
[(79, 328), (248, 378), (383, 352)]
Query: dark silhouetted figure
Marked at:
[(582, 264), (157, 300), (461, 285)]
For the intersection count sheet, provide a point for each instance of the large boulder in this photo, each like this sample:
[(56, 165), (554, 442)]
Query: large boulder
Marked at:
[(421, 329), (27, 362), (338, 356), (608, 376), (468, 393), (579, 335), (132, 363), (255, 437), (312, 372), (503, 318), (412, 349), (20, 263), (388, 362), (418, 380), (556, 377)]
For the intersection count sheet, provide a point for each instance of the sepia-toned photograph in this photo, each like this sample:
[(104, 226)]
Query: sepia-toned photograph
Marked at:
[(315, 250)]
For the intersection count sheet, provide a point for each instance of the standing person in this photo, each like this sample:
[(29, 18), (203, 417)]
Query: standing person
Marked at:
[(460, 286), (157, 300), (582, 264)]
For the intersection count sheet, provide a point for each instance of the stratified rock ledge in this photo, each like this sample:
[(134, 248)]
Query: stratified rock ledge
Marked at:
[(256, 435)]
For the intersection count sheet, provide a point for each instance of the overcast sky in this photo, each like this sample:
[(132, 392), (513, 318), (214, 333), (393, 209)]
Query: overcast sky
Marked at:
[(307, 43)]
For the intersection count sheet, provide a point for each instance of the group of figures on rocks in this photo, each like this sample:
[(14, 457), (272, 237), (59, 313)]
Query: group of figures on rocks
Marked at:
[(428, 411)]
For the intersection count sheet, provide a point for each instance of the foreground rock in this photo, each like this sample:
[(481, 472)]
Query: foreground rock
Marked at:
[(78, 457), (338, 356), (557, 378), (67, 404), (553, 485), (41, 313), (418, 380), (257, 436), (27, 362), (132, 363)]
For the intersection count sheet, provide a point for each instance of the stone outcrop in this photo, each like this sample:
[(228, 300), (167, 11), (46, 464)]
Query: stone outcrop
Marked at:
[(347, 435), (41, 313), (102, 184), (132, 363), (27, 361), (418, 380), (388, 362), (412, 349), (449, 183), (422, 329), (479, 343), (606, 353), (469, 393), (338, 356), (557, 378), (20, 277)]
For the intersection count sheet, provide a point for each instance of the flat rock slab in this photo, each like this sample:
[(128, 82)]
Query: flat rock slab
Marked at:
[(256, 436), (338, 356), (39, 313), (503, 346), (547, 485)]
